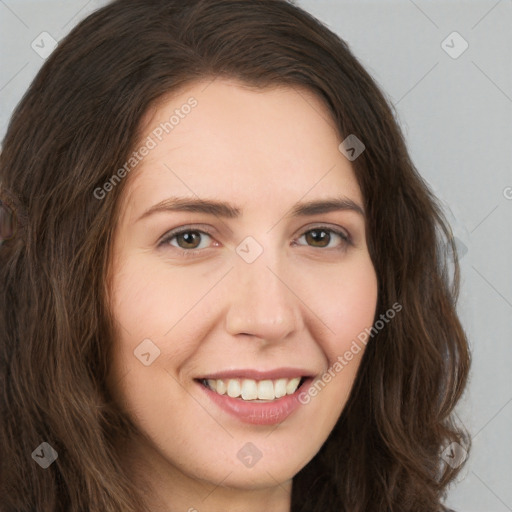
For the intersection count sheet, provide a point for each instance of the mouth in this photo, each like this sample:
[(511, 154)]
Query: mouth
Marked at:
[(256, 397), (255, 391)]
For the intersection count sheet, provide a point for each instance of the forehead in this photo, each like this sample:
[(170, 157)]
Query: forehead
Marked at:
[(257, 145)]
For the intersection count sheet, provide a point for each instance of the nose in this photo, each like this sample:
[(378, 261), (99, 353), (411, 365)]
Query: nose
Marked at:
[(262, 302)]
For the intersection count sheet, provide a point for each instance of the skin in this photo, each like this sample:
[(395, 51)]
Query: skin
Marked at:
[(299, 304)]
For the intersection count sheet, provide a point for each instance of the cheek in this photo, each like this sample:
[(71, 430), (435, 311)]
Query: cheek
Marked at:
[(347, 307), (149, 300), (150, 308), (346, 304)]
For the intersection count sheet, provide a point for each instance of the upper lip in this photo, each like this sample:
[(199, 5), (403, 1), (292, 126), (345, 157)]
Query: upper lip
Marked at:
[(250, 373)]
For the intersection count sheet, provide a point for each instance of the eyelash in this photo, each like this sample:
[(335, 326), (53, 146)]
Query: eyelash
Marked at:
[(345, 238)]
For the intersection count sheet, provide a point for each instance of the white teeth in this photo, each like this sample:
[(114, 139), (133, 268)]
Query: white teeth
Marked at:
[(249, 389), (234, 388), (220, 386), (292, 385), (280, 387), (266, 390)]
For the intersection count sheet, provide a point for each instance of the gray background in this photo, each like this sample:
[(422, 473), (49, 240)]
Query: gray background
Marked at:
[(457, 116)]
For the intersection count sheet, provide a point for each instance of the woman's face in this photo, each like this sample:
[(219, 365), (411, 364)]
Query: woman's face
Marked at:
[(257, 293)]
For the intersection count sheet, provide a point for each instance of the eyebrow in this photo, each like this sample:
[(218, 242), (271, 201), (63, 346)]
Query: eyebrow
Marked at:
[(229, 211)]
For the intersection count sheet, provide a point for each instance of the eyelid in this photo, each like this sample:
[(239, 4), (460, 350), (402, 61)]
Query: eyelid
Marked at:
[(206, 230), (184, 229), (342, 232)]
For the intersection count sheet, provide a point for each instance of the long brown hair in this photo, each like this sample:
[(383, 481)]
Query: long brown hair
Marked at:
[(76, 126)]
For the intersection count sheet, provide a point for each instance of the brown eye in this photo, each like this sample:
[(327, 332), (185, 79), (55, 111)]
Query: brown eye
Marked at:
[(318, 237), (186, 239), (189, 239), (325, 238)]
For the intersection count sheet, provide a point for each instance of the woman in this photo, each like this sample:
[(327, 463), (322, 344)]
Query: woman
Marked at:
[(226, 289)]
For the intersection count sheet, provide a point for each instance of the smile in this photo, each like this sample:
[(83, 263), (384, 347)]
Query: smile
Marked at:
[(253, 390), (257, 397)]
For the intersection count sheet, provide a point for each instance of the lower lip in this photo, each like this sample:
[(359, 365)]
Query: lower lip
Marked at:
[(259, 413)]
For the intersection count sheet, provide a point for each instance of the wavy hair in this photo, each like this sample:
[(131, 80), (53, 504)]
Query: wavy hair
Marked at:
[(77, 124)]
